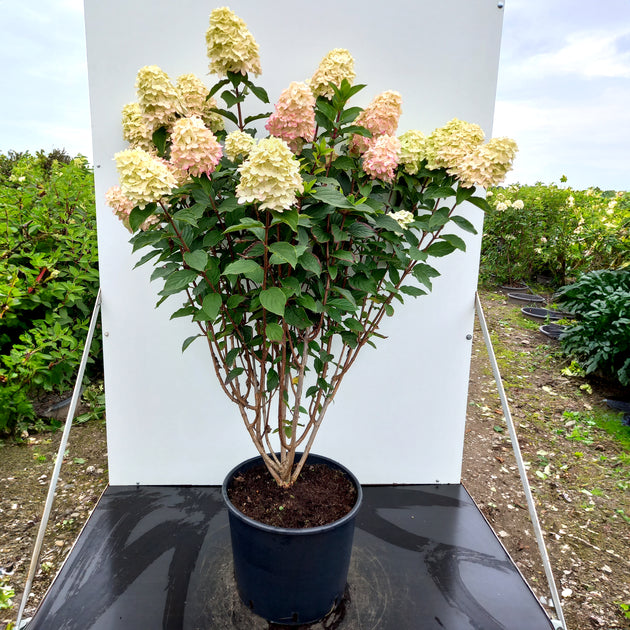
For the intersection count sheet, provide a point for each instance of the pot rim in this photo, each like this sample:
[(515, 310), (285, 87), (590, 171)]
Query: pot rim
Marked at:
[(303, 531)]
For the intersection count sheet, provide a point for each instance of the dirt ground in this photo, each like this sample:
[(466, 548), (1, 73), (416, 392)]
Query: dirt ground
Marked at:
[(579, 475)]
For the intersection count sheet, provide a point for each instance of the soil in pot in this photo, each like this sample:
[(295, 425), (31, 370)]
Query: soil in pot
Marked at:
[(321, 495)]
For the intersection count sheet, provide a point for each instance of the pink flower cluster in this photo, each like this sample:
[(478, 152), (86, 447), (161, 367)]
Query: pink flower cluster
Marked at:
[(294, 118), (382, 157), (380, 117), (195, 148)]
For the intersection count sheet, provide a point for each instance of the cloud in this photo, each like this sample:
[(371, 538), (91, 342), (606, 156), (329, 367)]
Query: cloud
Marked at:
[(586, 141), (589, 54)]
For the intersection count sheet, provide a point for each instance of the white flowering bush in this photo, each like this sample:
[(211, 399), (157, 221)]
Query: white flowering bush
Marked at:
[(550, 232), (288, 251)]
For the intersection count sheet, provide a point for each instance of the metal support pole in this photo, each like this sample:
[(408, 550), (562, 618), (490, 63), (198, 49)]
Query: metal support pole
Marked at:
[(55, 474), (521, 466)]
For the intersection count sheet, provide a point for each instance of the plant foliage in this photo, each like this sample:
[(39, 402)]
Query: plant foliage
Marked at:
[(553, 232), (48, 276), (600, 339)]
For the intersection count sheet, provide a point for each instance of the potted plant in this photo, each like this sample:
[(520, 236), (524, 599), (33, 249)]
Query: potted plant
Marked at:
[(288, 252)]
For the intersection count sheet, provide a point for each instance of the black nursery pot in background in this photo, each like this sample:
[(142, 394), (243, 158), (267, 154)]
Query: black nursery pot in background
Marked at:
[(291, 576)]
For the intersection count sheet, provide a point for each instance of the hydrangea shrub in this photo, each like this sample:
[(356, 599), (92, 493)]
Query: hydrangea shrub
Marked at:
[(290, 250)]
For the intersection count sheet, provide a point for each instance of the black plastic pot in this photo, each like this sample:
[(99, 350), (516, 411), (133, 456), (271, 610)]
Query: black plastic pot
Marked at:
[(526, 298), (553, 331), (536, 314), (291, 576)]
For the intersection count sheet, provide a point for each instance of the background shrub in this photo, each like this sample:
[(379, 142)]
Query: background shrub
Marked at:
[(600, 340), (552, 233), (48, 277)]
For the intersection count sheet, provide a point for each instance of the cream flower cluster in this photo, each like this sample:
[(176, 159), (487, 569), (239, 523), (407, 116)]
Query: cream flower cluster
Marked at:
[(413, 149), (403, 218), (381, 159), (194, 102), (238, 144), (487, 164), (231, 47), (157, 97), (294, 118), (337, 65), (448, 145), (194, 148), (143, 178), (136, 130), (380, 117), (270, 176)]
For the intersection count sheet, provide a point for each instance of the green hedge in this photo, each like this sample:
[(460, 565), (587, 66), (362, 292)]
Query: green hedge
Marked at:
[(48, 277)]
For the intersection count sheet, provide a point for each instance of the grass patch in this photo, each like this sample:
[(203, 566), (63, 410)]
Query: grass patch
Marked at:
[(585, 424)]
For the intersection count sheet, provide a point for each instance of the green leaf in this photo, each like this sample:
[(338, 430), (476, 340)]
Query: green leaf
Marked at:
[(234, 373), (225, 113), (185, 311), (411, 290), (274, 332), (349, 338), (234, 300), (288, 217), (319, 234), (229, 98), (359, 131), (438, 219), (386, 222), (273, 300), (283, 253), (229, 204), (347, 294), (438, 192), (188, 341), (217, 87), (331, 196), (343, 254), (159, 138), (361, 230), (464, 224), (251, 119), (338, 234), (196, 260), (177, 281), (327, 109), (230, 357), (480, 203), (423, 273), (212, 238), (440, 248), (455, 241), (212, 305), (138, 216), (344, 163), (354, 324), (311, 263), (248, 268), (272, 380), (147, 257), (258, 92), (142, 239), (417, 254), (463, 194)]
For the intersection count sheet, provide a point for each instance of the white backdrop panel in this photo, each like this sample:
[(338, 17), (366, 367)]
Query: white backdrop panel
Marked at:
[(399, 416)]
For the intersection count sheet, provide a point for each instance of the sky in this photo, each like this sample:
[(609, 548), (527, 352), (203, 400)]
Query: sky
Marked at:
[(563, 89)]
